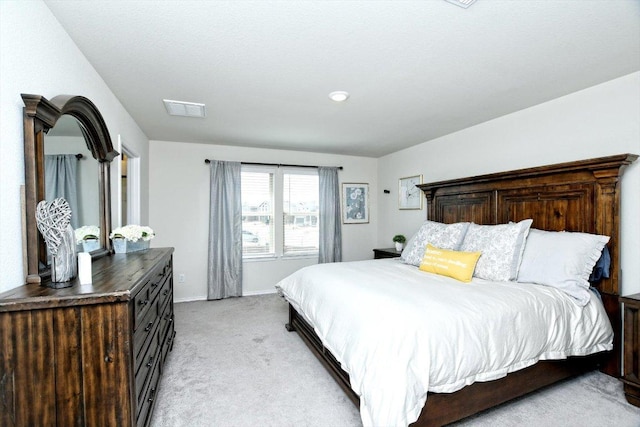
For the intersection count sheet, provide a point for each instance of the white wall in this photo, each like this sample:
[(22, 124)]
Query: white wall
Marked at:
[(598, 121), (37, 56), (179, 210)]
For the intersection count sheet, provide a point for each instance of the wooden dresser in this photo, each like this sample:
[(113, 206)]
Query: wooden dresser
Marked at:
[(88, 354)]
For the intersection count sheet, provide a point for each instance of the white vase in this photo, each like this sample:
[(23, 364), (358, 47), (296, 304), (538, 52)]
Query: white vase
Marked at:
[(64, 264), (399, 246), (123, 246)]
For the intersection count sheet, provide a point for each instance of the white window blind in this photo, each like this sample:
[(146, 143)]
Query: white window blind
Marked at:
[(279, 212), (300, 213), (257, 213)]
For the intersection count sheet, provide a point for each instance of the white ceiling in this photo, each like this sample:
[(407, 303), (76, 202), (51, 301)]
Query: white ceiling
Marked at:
[(416, 70)]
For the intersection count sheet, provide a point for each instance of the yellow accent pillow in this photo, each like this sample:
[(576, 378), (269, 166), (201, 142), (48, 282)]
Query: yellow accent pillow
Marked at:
[(456, 264)]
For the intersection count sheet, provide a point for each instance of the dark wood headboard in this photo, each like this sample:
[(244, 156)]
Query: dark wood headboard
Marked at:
[(576, 196)]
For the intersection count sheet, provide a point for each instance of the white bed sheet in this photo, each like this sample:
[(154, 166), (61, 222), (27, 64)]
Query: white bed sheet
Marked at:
[(400, 332)]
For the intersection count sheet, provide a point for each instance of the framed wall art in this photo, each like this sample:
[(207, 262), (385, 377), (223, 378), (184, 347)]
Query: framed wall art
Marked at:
[(410, 196), (355, 203)]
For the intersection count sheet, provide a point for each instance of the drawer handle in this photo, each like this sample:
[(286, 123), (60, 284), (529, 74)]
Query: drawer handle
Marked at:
[(166, 292), (148, 327), (168, 317), (144, 302), (152, 395), (154, 285), (150, 362)]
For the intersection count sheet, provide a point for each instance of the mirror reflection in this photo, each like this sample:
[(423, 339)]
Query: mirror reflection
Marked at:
[(71, 172), (40, 115)]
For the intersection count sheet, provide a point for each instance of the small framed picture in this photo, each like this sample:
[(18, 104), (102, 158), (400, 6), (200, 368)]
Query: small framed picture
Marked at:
[(410, 196), (355, 203)]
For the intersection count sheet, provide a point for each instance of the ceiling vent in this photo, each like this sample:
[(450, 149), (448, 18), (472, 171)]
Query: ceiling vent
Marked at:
[(185, 109), (462, 3)]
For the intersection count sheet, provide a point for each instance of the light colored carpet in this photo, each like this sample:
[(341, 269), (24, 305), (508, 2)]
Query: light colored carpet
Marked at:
[(234, 364)]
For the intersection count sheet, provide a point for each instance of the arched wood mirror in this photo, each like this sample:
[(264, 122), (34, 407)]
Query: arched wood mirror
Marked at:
[(83, 119)]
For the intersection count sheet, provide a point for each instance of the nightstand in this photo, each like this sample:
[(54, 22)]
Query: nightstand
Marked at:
[(386, 253), (631, 372)]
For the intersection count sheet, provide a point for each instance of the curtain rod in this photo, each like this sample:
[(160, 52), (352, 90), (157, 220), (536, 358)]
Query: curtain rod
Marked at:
[(276, 164)]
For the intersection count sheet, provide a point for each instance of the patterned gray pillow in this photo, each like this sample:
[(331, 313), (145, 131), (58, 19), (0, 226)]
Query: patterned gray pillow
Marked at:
[(443, 236), (501, 245)]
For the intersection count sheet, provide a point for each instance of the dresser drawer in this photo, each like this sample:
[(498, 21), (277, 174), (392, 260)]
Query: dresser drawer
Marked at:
[(167, 345), (141, 305), (166, 319), (153, 314), (149, 292), (147, 401), (144, 334), (157, 279), (165, 271), (146, 364), (166, 292)]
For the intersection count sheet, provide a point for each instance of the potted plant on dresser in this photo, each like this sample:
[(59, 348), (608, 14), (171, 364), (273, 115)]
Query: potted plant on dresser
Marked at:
[(131, 238)]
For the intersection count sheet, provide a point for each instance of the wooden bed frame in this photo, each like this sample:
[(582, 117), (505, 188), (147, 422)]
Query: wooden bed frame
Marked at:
[(576, 196)]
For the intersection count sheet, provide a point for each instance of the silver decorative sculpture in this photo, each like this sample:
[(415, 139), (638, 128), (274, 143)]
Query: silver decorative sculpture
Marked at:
[(54, 222)]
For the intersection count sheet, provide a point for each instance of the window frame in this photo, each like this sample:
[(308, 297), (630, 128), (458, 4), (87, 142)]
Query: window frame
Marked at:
[(278, 212), (297, 171), (273, 231)]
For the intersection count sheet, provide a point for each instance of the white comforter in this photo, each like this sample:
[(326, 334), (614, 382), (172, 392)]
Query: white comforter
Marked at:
[(400, 332)]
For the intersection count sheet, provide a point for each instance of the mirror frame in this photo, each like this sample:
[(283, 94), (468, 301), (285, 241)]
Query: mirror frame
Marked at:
[(40, 115)]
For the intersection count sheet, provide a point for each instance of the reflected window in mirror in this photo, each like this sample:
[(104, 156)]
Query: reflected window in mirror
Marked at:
[(129, 189), (71, 172), (124, 193)]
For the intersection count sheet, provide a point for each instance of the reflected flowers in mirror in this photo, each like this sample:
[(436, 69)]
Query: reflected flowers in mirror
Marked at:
[(88, 236)]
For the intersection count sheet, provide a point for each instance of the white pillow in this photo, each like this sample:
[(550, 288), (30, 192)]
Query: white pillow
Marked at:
[(443, 236), (561, 259), (501, 246)]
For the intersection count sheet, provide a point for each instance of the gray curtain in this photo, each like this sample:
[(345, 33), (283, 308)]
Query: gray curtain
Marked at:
[(330, 248), (224, 272), (60, 180)]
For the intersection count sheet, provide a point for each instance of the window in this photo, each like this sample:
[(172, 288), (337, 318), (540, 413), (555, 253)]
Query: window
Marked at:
[(257, 212), (300, 213), (279, 212)]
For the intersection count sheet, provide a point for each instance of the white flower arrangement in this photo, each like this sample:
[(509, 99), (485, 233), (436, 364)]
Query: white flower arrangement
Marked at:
[(87, 232), (133, 233)]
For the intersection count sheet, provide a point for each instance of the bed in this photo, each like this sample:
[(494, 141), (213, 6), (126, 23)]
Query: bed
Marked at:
[(581, 196)]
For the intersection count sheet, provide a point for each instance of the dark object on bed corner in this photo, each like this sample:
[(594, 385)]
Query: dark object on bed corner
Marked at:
[(602, 268), (579, 196)]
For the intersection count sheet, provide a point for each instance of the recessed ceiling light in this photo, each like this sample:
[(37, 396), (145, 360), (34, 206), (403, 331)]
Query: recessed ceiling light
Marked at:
[(339, 96), (186, 109)]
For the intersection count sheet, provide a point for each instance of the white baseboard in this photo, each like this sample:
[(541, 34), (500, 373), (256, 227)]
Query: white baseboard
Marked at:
[(244, 294), (263, 292), (190, 299)]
